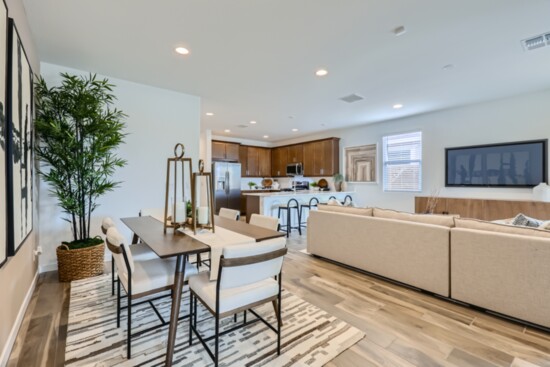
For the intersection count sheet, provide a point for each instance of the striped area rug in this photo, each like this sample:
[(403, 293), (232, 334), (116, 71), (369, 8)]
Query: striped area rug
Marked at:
[(310, 336)]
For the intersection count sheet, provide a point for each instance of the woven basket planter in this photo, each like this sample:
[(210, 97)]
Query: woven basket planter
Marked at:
[(80, 263)]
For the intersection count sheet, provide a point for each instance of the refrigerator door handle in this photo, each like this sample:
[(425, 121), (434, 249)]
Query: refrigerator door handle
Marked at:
[(227, 188)]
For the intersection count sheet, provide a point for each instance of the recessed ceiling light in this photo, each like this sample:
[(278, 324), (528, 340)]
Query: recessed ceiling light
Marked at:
[(321, 72), (209, 114), (252, 122), (294, 130), (227, 130), (182, 50), (266, 136), (397, 106)]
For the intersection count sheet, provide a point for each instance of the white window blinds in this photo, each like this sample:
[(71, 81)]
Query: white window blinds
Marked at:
[(402, 168)]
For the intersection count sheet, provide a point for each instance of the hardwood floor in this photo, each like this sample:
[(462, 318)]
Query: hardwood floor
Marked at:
[(402, 327)]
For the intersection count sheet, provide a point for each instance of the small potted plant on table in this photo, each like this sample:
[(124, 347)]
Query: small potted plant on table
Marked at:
[(77, 133), (338, 179)]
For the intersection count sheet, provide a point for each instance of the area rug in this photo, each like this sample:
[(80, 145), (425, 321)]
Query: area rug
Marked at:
[(310, 336)]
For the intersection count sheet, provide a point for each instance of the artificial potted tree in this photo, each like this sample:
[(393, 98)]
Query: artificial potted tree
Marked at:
[(78, 132)]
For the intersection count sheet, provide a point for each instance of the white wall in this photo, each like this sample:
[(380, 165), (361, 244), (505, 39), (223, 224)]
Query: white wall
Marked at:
[(523, 117), (157, 120)]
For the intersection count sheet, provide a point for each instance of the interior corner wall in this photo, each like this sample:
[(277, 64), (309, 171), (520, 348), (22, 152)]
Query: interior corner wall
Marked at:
[(523, 117), (157, 120), (18, 274)]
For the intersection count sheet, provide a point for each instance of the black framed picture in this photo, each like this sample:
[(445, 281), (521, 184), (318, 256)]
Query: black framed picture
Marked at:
[(3, 132), (20, 142)]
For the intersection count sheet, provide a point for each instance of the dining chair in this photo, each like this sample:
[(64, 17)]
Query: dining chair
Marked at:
[(140, 251), (264, 221), (230, 213), (249, 275), (140, 279)]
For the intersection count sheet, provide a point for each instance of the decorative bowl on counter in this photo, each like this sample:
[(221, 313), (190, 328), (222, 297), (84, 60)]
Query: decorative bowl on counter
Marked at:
[(267, 182), (323, 184)]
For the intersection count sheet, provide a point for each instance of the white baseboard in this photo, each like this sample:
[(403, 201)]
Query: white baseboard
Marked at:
[(15, 329), (47, 267)]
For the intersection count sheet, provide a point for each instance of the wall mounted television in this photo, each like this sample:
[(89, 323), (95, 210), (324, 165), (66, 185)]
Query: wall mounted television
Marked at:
[(517, 164)]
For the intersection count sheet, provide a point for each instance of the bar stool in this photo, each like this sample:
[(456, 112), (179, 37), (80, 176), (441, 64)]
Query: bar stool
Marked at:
[(291, 204), (313, 202), (346, 200)]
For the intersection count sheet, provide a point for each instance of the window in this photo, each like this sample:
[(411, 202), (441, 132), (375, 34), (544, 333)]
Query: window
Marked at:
[(402, 155)]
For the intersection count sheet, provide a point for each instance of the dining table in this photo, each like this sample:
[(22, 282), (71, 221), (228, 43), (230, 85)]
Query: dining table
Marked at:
[(176, 243)]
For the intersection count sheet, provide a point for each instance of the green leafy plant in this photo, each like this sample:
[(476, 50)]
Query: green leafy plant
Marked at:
[(314, 184), (338, 178), (78, 132), (252, 184)]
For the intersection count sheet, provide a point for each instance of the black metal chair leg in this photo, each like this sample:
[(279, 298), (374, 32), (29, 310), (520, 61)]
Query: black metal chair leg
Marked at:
[(129, 331), (118, 306), (217, 347), (113, 275), (299, 221), (191, 318)]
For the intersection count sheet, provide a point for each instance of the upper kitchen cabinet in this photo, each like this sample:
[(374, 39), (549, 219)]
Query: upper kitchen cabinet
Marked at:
[(258, 162), (295, 154), (223, 151), (322, 158), (279, 159)]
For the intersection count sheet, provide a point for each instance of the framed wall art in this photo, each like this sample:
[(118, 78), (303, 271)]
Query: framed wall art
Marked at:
[(20, 142), (360, 164), (3, 132)]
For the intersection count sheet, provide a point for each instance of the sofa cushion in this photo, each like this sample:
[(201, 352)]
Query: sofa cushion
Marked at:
[(545, 225), (439, 220), (345, 209), (502, 228)]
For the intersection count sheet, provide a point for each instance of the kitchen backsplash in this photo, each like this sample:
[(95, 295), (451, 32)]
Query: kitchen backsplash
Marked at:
[(284, 182)]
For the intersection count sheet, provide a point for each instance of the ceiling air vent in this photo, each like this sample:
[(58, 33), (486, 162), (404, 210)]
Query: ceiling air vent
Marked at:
[(352, 98), (242, 126), (533, 43)]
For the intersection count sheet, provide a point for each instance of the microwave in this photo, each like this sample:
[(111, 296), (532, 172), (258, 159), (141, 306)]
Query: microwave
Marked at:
[(294, 169)]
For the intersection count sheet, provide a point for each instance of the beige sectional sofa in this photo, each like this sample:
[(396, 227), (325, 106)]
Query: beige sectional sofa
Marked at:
[(502, 268), (497, 267), (374, 240)]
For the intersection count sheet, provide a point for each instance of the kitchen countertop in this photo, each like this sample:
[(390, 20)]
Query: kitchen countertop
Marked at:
[(299, 192)]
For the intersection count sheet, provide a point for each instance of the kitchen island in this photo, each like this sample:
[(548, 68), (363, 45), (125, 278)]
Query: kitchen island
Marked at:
[(266, 203)]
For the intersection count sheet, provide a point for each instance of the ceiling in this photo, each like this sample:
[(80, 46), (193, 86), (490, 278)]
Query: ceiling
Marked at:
[(255, 60)]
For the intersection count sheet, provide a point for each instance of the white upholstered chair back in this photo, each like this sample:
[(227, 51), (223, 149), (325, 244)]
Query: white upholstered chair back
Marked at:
[(230, 213), (106, 223), (264, 221), (114, 238), (237, 276)]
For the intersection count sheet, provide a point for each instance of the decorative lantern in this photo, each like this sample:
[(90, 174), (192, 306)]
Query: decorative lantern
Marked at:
[(175, 207), (205, 215)]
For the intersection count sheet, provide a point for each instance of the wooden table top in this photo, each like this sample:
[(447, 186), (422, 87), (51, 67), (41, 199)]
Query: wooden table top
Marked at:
[(172, 243), (256, 232)]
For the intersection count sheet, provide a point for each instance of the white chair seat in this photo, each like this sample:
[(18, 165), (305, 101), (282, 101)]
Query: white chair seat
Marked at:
[(232, 298), (154, 274), (142, 252)]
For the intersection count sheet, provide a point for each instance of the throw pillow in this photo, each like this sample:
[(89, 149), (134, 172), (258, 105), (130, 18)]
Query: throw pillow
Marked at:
[(545, 225), (523, 220)]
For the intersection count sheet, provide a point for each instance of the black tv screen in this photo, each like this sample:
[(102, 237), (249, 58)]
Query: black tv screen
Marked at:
[(519, 164)]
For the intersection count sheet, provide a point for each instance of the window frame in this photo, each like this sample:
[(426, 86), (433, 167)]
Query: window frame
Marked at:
[(389, 162)]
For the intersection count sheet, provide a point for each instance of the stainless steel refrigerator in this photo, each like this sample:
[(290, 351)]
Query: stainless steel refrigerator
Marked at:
[(227, 185)]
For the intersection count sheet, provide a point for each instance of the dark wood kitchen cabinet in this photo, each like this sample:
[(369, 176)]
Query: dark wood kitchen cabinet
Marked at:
[(258, 162), (223, 151), (279, 159), (321, 157), (295, 153)]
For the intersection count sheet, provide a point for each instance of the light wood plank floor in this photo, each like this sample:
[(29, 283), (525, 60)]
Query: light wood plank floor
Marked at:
[(403, 327)]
